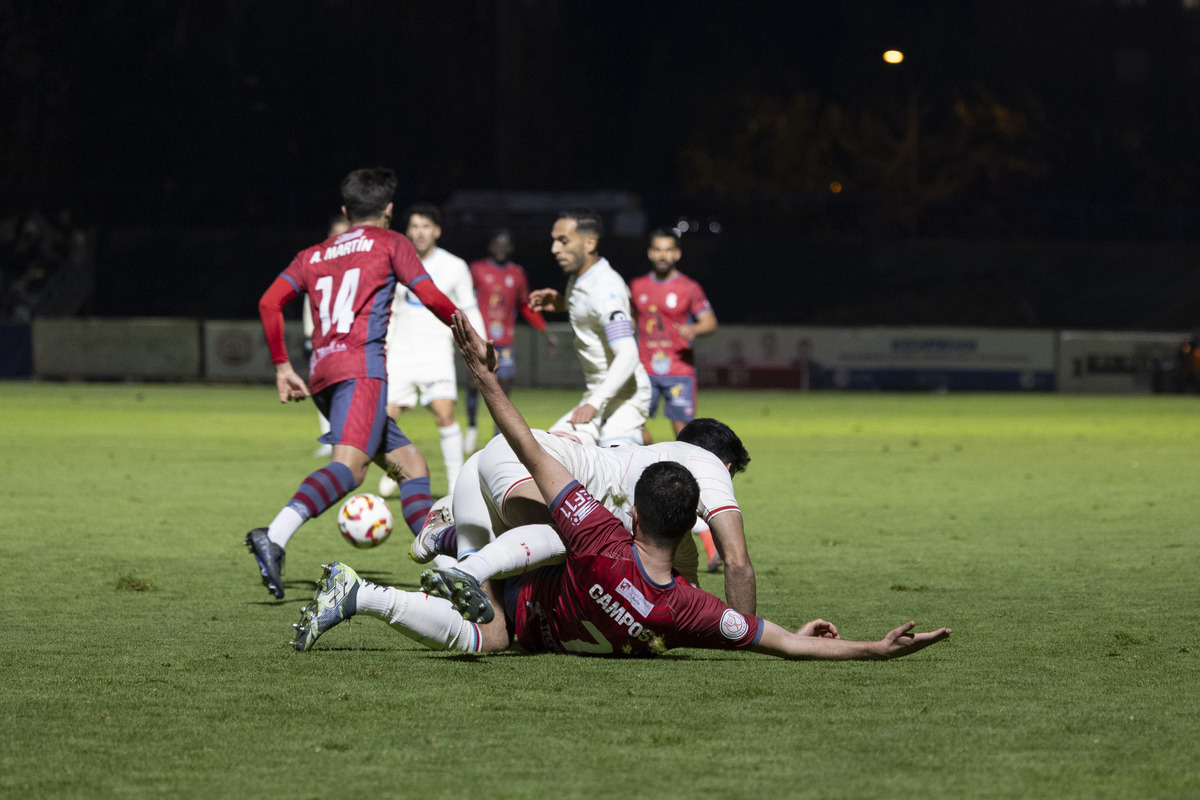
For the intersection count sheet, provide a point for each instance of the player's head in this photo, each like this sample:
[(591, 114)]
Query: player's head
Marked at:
[(576, 239), (500, 245), (338, 225), (367, 194), (719, 439), (664, 252), (423, 227), (665, 498)]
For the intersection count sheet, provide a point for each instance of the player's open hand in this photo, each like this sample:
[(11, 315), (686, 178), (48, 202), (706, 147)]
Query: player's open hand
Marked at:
[(480, 356), (902, 641)]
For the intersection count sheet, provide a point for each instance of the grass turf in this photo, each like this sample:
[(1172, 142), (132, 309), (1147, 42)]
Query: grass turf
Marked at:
[(1056, 534)]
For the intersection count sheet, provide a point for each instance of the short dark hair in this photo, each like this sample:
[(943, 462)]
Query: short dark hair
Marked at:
[(666, 496), (719, 439), (427, 210), (367, 192), (498, 232), (663, 233), (586, 220)]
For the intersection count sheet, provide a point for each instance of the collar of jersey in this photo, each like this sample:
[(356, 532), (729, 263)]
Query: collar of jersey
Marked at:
[(638, 560)]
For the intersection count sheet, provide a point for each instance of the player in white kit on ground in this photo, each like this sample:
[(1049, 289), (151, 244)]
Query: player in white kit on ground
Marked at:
[(496, 494)]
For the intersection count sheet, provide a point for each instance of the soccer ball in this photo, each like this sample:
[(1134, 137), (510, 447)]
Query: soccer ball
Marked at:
[(365, 520)]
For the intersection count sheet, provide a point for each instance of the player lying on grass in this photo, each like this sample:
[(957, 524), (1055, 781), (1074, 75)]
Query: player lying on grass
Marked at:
[(616, 594), (496, 493)]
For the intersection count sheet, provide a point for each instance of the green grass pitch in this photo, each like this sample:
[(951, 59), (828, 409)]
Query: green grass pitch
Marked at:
[(1058, 536)]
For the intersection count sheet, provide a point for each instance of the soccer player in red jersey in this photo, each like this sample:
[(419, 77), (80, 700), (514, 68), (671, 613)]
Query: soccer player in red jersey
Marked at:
[(502, 289), (672, 311), (616, 595), (349, 280)]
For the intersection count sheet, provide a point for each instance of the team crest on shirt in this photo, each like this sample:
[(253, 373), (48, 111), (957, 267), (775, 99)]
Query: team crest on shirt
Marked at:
[(508, 281), (672, 300), (733, 625)]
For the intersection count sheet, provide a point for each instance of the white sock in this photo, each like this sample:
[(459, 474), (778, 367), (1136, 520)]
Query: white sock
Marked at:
[(286, 523), (452, 451), (472, 520), (515, 552), (375, 600), (429, 621)]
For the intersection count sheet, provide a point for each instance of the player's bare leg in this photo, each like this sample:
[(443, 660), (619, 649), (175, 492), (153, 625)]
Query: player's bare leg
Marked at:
[(411, 473), (387, 484)]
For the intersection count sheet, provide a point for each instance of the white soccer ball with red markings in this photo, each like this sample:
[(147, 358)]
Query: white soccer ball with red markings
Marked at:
[(365, 520)]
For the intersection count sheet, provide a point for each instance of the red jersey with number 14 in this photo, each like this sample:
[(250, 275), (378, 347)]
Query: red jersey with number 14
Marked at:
[(661, 306), (350, 280), (502, 290), (602, 603)]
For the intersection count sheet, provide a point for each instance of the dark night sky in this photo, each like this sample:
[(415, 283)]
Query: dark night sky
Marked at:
[(244, 115)]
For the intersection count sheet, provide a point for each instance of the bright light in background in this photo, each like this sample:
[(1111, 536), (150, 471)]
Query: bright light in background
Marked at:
[(835, 187), (893, 56)]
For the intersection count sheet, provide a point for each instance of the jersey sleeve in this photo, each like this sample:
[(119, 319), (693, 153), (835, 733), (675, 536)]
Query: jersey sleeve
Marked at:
[(716, 485), (614, 314), (705, 621), (270, 310), (406, 264), (699, 302), (531, 316), (462, 293), (432, 298), (587, 527)]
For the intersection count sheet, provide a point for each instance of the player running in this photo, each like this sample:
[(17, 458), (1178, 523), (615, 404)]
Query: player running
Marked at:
[(349, 280), (616, 595)]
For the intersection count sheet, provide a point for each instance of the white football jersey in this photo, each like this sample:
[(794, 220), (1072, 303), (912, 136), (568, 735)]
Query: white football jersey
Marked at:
[(611, 473), (412, 324), (596, 301)]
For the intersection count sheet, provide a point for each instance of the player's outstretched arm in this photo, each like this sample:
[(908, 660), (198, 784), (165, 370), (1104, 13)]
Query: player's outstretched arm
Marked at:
[(480, 357), (813, 643), (433, 299)]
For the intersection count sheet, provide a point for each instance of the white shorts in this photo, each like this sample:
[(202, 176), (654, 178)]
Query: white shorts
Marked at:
[(420, 378), (621, 424)]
